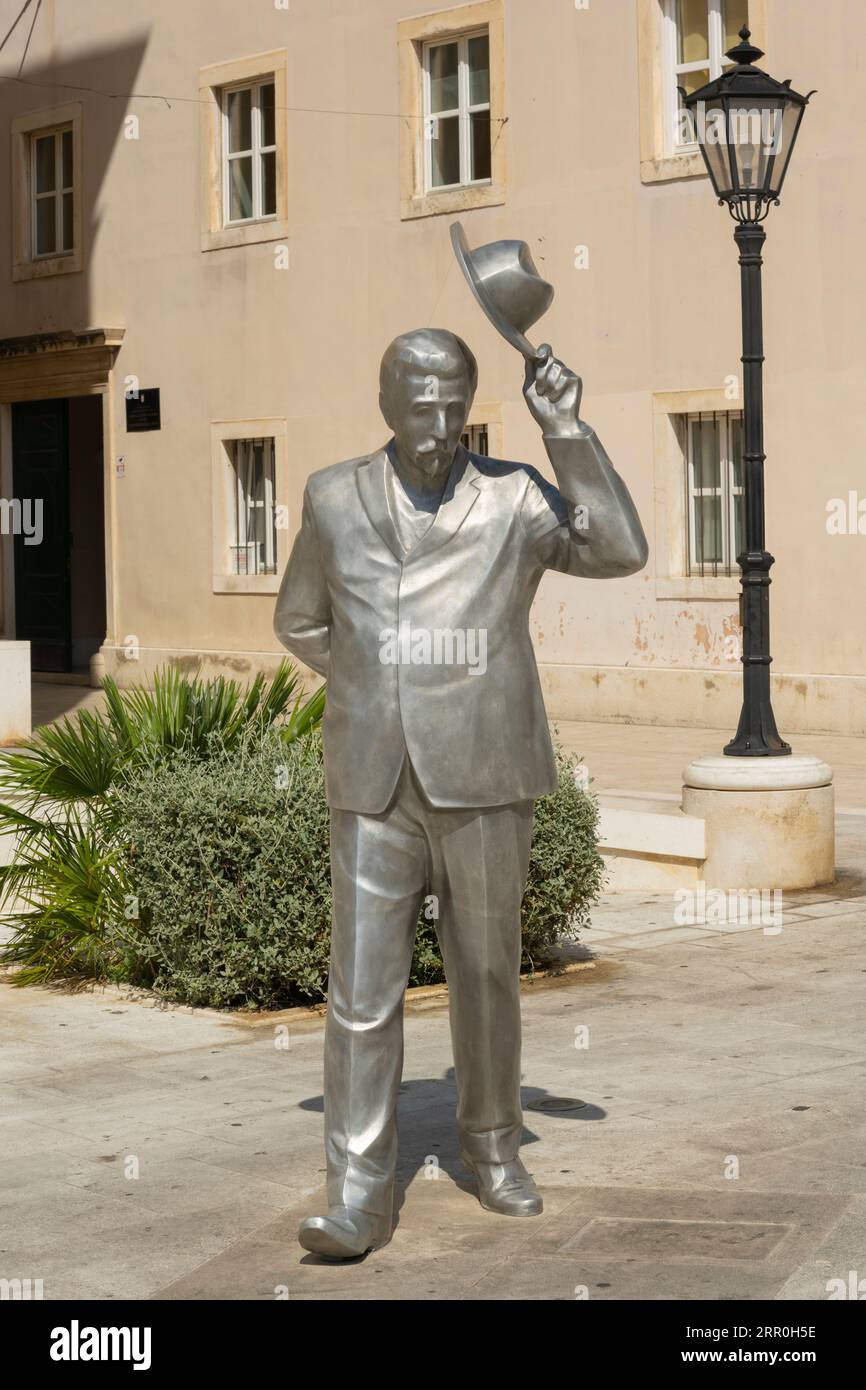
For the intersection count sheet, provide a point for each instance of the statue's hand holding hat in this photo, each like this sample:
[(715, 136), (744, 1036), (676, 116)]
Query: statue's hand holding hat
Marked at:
[(506, 284)]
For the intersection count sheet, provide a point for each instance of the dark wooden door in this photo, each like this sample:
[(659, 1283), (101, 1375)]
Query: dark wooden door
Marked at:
[(40, 467)]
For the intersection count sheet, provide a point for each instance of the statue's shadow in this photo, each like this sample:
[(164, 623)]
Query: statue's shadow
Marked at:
[(426, 1111)]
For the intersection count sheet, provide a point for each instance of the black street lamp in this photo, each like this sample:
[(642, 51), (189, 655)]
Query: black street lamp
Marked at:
[(746, 124)]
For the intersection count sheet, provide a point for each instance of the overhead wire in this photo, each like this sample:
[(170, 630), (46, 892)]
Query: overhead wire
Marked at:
[(30, 34), (199, 101)]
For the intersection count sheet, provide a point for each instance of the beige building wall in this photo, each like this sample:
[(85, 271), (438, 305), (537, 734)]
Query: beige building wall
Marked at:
[(228, 336)]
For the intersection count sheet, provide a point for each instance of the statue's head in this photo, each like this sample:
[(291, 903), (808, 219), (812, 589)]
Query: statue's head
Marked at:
[(426, 384)]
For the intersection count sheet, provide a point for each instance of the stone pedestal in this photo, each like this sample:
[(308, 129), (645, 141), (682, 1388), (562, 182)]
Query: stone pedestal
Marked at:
[(15, 725), (97, 669), (769, 821)]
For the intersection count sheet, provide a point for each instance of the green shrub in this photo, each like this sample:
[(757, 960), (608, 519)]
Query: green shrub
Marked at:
[(200, 807), (63, 894), (229, 862), (566, 871), (228, 859)]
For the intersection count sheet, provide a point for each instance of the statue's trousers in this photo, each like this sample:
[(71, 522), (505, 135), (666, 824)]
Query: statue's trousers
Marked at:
[(474, 865)]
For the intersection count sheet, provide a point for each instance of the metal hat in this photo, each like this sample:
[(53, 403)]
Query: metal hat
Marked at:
[(506, 284)]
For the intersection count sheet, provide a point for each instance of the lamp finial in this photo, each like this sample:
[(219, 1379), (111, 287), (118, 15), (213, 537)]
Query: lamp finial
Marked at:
[(744, 53)]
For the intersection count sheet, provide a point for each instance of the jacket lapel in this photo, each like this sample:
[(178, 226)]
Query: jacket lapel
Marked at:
[(370, 477), (459, 497), (461, 492)]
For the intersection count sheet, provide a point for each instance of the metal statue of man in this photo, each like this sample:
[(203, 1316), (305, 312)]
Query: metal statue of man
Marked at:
[(433, 757)]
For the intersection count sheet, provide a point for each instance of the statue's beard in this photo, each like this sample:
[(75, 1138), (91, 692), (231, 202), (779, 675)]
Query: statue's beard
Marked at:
[(433, 460)]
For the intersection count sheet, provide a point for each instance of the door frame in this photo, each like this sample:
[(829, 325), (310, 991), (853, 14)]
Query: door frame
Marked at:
[(6, 486), (58, 495), (45, 366)]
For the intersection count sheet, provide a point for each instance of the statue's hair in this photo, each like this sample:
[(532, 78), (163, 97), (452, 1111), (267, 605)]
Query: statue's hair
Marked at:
[(430, 350)]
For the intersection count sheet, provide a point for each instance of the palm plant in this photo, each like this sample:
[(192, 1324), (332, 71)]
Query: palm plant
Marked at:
[(181, 713), (62, 893), (68, 897)]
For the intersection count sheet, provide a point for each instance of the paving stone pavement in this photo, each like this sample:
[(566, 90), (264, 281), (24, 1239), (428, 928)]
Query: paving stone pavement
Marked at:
[(720, 1151)]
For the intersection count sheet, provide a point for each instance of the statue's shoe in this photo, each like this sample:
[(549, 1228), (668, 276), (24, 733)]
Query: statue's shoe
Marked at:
[(345, 1233), (505, 1187)]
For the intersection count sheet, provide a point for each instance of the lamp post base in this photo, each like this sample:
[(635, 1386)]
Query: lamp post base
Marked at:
[(769, 822), (757, 735), (767, 743)]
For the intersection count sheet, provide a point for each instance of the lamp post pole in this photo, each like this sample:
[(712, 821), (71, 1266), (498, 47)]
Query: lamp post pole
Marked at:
[(747, 126), (769, 818), (756, 734)]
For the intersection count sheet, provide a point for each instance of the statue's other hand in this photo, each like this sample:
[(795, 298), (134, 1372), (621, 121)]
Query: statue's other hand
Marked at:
[(553, 392)]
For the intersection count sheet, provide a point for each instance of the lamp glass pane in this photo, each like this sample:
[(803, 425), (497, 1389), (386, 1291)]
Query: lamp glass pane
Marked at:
[(711, 131), (785, 135), (757, 131)]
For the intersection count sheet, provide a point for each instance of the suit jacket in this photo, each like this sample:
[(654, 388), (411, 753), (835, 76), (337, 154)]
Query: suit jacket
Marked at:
[(350, 600)]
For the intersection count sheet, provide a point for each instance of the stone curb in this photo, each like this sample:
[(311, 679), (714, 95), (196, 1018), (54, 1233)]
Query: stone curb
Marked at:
[(417, 999)]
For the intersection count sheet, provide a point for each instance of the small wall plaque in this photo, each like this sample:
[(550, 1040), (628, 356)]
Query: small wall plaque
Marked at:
[(142, 411)]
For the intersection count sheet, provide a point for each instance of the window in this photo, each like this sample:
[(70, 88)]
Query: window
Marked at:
[(51, 183), (46, 192), (682, 43), (697, 487), (453, 130), (696, 36), (715, 512), (476, 440), (457, 111), (249, 152), (254, 546), (243, 134), (250, 511)]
